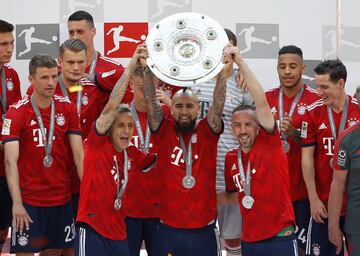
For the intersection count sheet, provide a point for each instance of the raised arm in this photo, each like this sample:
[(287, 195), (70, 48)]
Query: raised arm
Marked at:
[(154, 110), (214, 113), (77, 149), (263, 112), (109, 113), (21, 218)]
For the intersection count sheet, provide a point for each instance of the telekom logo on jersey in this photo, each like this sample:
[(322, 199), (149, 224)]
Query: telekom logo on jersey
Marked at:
[(177, 155), (328, 143), (38, 137)]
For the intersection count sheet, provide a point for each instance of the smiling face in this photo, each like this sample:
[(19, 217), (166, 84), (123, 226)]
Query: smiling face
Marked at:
[(328, 90), (122, 130), (185, 109), (245, 128), (290, 69)]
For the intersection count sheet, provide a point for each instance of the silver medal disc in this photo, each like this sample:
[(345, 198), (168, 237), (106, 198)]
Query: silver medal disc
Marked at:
[(247, 202), (117, 204), (188, 181), (286, 146), (48, 160)]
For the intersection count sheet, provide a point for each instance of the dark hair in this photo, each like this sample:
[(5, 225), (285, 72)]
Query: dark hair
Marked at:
[(335, 69), (6, 27), (231, 36), (123, 109), (39, 61), (82, 15), (74, 45), (243, 108), (292, 49)]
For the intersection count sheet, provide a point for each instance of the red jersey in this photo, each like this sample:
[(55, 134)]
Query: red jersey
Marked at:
[(182, 207), (99, 184), (13, 94), (144, 189), (309, 95), (316, 131), (270, 187), (41, 186)]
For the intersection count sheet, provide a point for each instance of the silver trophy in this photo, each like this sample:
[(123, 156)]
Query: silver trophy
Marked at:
[(186, 49)]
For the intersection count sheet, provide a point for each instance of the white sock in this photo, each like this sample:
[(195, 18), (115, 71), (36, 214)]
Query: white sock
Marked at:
[(233, 251)]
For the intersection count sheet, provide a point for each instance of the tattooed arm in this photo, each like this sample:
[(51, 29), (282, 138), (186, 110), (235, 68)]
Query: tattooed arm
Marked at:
[(109, 113), (215, 111), (154, 110)]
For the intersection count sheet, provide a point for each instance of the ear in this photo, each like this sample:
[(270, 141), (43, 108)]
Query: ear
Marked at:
[(31, 79), (93, 30), (341, 83)]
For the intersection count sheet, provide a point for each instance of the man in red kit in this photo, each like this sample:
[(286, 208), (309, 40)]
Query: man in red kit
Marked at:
[(324, 119), (144, 189), (81, 26), (288, 102), (36, 134), (10, 93), (258, 170), (100, 222), (187, 163)]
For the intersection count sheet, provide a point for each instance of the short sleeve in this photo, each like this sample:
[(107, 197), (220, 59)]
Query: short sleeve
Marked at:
[(12, 125), (308, 131), (341, 160)]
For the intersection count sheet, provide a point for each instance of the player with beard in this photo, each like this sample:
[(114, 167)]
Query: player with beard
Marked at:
[(288, 102), (187, 163)]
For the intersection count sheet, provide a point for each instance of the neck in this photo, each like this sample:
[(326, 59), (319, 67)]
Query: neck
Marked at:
[(339, 103), (291, 92), (140, 105), (69, 83), (246, 150), (89, 55), (41, 101)]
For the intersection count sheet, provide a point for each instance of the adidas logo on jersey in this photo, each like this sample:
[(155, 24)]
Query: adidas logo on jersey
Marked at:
[(32, 122), (233, 167), (273, 110), (322, 126)]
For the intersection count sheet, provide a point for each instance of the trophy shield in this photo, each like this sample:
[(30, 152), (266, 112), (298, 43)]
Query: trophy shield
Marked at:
[(186, 49)]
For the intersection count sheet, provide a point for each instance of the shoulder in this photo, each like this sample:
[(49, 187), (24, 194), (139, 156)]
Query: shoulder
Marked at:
[(109, 61), (61, 99), (86, 82), (21, 103), (316, 105), (353, 101)]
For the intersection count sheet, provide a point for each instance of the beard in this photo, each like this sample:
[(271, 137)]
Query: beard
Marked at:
[(185, 128), (292, 85)]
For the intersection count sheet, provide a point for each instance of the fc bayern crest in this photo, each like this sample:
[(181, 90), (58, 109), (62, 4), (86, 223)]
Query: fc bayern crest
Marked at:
[(10, 85), (301, 109), (85, 100), (60, 120), (193, 138)]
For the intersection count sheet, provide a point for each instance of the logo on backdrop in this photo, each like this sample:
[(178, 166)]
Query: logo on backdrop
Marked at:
[(94, 7), (309, 75), (32, 39), (121, 39), (159, 9), (349, 43), (258, 41)]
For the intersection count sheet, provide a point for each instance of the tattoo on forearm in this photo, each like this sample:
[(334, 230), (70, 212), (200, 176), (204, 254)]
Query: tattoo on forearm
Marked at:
[(215, 111), (155, 112)]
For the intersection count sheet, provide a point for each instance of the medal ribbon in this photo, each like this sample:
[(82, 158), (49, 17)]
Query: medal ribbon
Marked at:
[(187, 154), (343, 118), (246, 180), (93, 63), (120, 191), (49, 141), (292, 107), (144, 143), (66, 95)]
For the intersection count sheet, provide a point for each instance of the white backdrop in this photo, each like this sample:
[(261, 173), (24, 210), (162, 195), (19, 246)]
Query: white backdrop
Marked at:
[(308, 24)]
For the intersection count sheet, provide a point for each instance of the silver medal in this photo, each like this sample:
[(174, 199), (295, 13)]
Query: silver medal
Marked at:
[(286, 146), (247, 202), (48, 160), (188, 181), (117, 204)]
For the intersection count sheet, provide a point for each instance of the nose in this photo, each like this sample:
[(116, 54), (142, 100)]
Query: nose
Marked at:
[(287, 70)]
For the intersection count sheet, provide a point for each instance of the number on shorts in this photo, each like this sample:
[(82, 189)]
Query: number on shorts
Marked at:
[(70, 232)]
